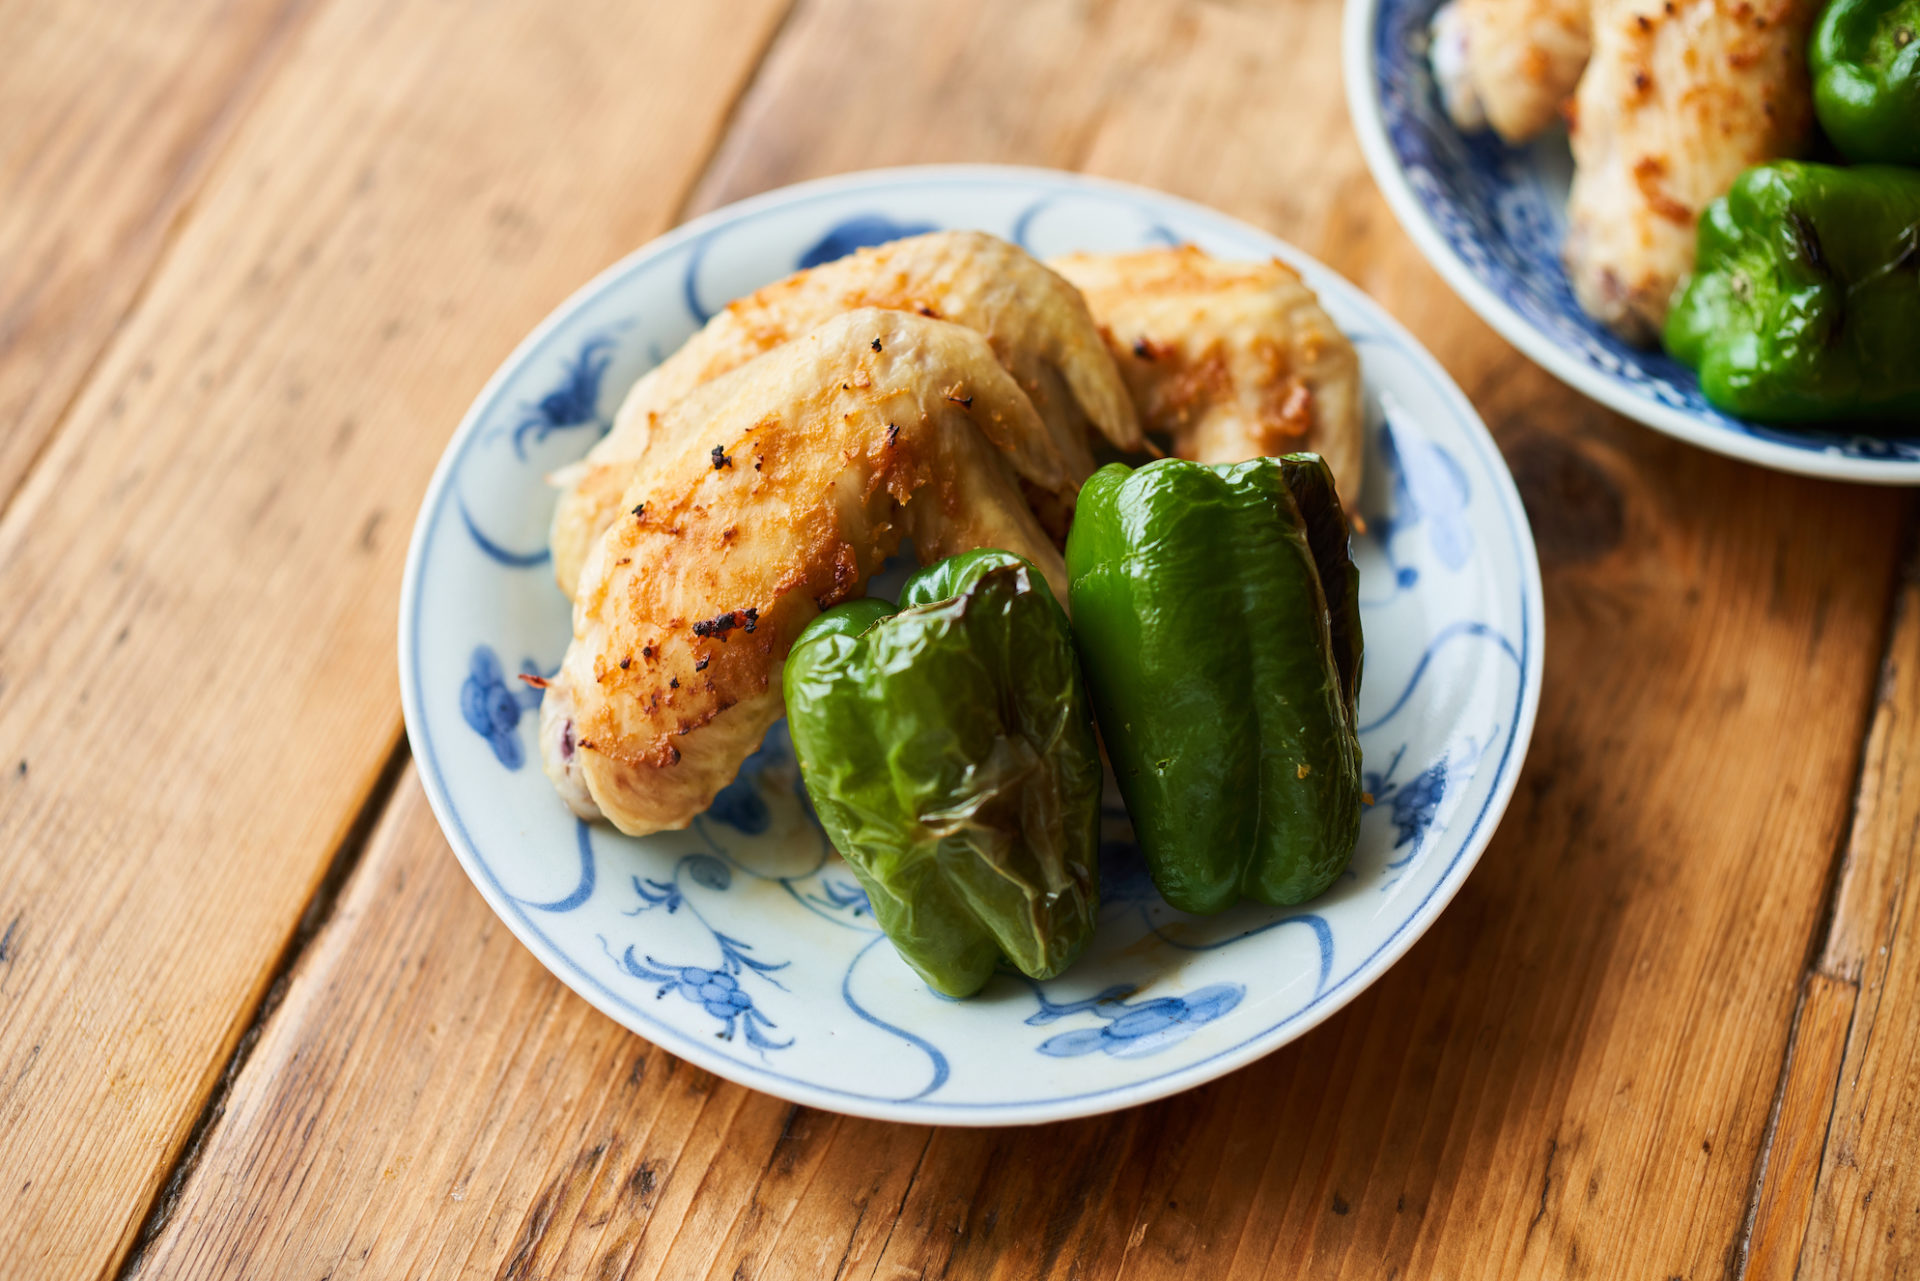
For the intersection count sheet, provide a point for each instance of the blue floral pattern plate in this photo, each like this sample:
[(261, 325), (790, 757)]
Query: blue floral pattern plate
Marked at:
[(1491, 218), (743, 943)]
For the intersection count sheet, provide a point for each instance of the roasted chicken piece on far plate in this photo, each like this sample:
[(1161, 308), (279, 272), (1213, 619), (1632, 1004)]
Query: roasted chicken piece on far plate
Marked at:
[(1510, 64), (1036, 324), (1678, 98), (1228, 360), (792, 478)]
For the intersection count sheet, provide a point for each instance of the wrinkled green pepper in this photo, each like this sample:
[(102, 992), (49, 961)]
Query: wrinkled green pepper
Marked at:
[(1217, 614), (1804, 304), (1865, 59), (948, 747)]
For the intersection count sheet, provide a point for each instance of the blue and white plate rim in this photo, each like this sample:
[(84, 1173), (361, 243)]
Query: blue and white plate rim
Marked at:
[(1359, 34), (1043, 183)]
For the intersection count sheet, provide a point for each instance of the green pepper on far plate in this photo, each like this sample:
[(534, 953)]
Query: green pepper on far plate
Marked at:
[(1217, 614), (1804, 304), (948, 747), (1865, 59)]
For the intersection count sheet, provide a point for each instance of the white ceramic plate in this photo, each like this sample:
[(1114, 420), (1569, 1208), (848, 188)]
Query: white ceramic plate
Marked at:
[(1491, 219), (743, 943)]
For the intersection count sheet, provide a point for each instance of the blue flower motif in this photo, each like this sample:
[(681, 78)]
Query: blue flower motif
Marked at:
[(716, 990), (492, 709), (1133, 1031), (861, 231), (1416, 802), (574, 403)]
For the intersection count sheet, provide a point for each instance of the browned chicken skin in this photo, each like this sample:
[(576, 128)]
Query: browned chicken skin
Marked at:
[(1509, 64), (1679, 97), (1228, 360), (1035, 323), (797, 475)]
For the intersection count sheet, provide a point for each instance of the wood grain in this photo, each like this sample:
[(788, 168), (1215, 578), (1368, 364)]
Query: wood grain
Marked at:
[(1790, 1170), (1571, 1075), (1865, 1213), (93, 182), (196, 660), (994, 81), (428, 1101)]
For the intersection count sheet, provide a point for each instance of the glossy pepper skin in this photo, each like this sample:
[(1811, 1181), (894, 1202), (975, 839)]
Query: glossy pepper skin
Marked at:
[(1217, 614), (1804, 304), (948, 747), (1865, 60)]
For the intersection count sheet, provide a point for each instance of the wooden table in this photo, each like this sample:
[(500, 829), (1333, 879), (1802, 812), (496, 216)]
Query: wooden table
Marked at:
[(256, 256)]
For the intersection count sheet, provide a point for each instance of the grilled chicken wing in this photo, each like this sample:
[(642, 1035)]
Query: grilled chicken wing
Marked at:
[(1231, 360), (1680, 96), (1508, 63), (795, 476), (1035, 322)]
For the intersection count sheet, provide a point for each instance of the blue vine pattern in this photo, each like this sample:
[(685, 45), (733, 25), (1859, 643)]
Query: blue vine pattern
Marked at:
[(583, 888), (572, 403), (1022, 233), (1430, 489), (496, 552), (1126, 888), (941, 1070), (1429, 492), (1488, 203), (714, 988), (1446, 635)]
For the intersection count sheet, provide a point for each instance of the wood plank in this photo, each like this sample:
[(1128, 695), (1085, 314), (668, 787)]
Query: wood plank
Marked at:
[(1865, 1215), (92, 182), (196, 662), (1571, 1074), (995, 81), (1790, 1170), (485, 1119)]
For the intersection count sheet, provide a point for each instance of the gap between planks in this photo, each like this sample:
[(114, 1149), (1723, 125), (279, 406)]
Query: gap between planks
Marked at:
[(319, 910), (1781, 1203), (347, 857), (267, 1007), (690, 202), (217, 141)]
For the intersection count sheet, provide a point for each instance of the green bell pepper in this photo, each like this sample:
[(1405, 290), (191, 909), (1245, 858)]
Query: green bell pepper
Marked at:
[(1217, 614), (1804, 304), (948, 747), (1865, 59)]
